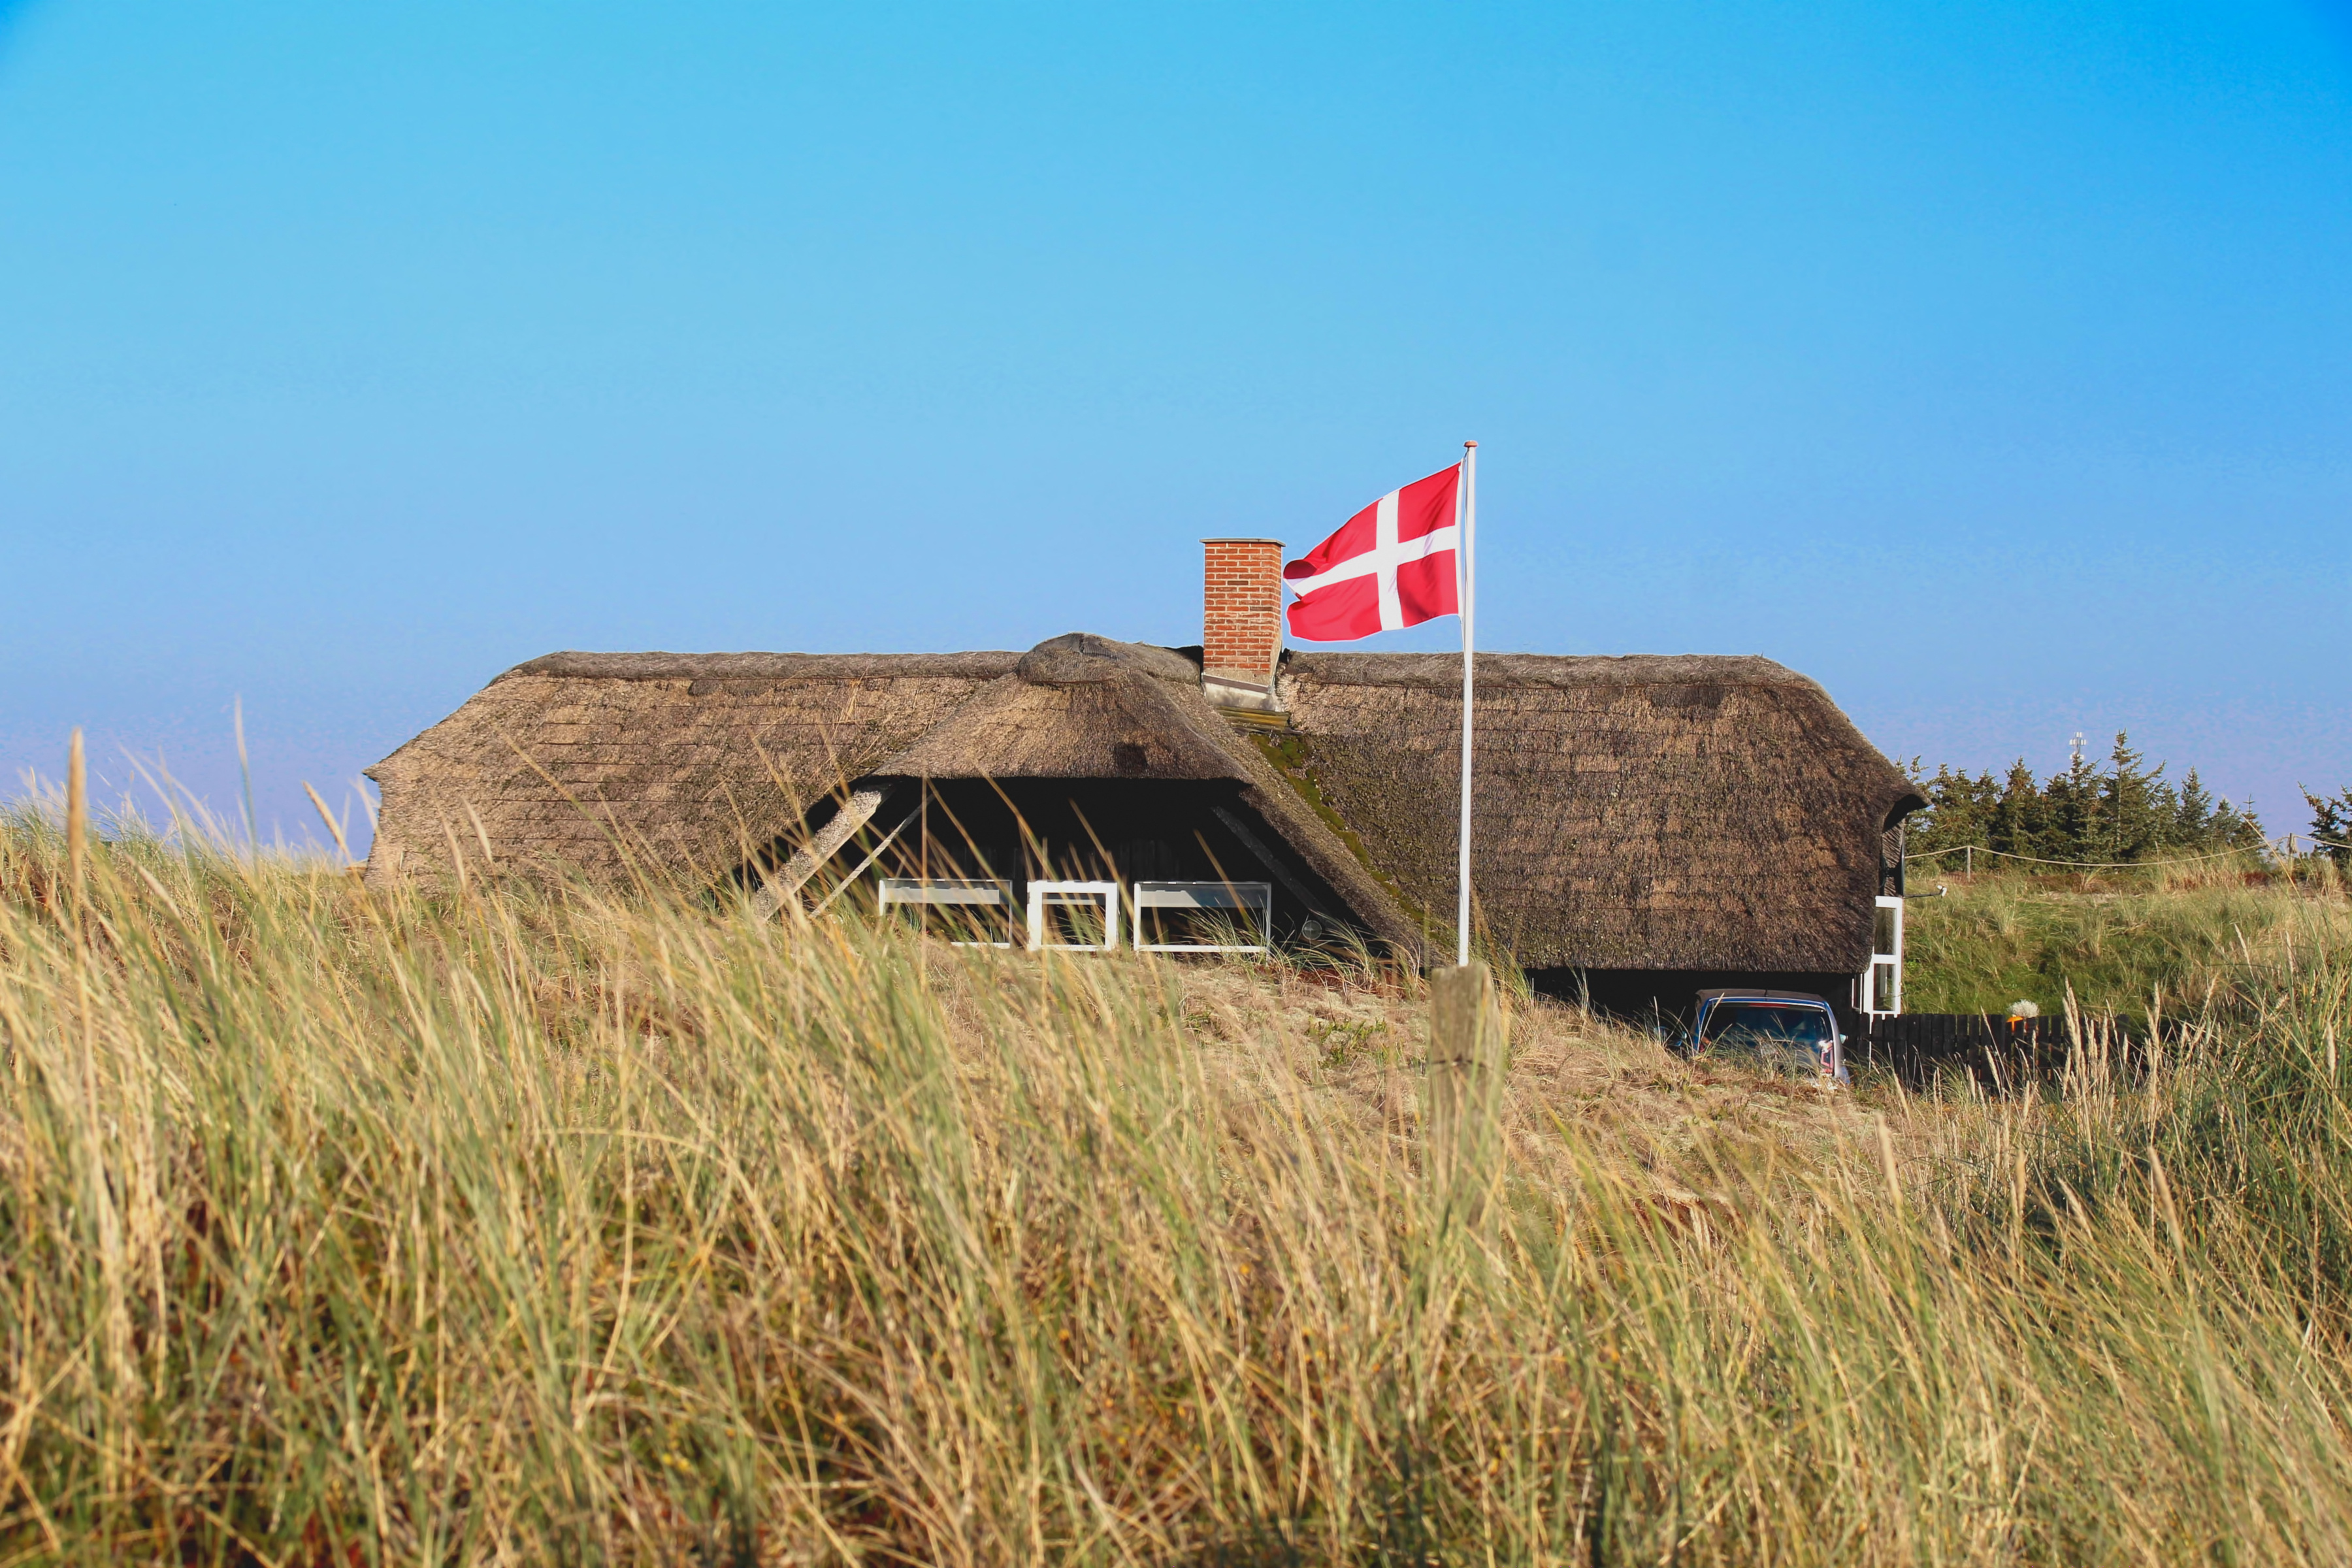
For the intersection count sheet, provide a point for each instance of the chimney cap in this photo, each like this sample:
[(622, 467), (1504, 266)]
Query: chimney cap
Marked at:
[(1237, 540)]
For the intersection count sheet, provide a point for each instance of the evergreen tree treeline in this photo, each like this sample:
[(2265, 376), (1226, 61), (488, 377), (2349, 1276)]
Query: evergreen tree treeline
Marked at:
[(2331, 822), (2127, 811)]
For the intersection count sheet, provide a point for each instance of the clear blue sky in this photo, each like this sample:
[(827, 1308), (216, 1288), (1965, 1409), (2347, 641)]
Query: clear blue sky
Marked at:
[(1990, 362)]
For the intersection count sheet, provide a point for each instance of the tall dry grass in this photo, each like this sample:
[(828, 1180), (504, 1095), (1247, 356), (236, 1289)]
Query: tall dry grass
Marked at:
[(534, 1227)]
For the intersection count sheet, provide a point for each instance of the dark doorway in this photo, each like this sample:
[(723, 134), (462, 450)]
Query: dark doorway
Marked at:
[(1116, 830), (1648, 998)]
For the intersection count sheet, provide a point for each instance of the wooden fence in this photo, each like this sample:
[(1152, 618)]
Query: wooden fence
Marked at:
[(2000, 1054)]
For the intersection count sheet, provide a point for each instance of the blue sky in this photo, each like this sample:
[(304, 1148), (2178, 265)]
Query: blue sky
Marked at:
[(1987, 363)]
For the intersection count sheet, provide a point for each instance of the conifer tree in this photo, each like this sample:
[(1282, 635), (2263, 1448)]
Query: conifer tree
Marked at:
[(2072, 818), (2020, 817), (2234, 829), (2192, 814), (2130, 824), (1957, 812), (2331, 822), (2128, 813)]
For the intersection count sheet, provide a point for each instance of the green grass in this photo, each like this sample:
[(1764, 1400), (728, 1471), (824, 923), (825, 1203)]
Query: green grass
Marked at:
[(520, 1228), (2120, 940)]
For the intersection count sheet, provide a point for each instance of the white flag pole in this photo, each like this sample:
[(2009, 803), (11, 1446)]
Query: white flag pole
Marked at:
[(1469, 595)]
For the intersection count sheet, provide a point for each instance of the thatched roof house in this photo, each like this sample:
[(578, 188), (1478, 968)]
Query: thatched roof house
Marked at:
[(1644, 823)]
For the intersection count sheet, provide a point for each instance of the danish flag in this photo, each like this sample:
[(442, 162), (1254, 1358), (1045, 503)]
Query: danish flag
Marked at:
[(1390, 565)]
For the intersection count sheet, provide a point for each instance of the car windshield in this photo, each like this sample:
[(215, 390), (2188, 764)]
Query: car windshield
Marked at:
[(1769, 1028)]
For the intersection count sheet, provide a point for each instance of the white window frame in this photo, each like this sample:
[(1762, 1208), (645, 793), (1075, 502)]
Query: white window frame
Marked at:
[(1040, 893), (1870, 996), (935, 891), (1254, 896)]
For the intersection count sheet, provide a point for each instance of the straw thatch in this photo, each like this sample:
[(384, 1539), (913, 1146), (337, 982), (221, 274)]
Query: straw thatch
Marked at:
[(595, 761), (1689, 813), (1085, 707), (1643, 813)]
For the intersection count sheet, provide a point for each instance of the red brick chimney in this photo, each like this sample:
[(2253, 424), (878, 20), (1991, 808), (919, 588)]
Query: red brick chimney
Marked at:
[(1241, 637), (1240, 625)]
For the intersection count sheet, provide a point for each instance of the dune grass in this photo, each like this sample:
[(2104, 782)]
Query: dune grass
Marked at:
[(2120, 940), (529, 1227)]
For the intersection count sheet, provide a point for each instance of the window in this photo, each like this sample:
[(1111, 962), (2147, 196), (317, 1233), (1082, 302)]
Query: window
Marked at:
[(1074, 917), (1203, 917), (1752, 1023), (1784, 1036), (965, 912)]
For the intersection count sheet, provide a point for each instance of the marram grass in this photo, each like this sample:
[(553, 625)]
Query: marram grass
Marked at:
[(2127, 939), (534, 1228)]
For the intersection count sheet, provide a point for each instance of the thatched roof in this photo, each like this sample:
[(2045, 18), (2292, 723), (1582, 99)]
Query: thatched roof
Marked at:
[(588, 760), (1079, 707), (1650, 813), (1637, 812), (1085, 707)]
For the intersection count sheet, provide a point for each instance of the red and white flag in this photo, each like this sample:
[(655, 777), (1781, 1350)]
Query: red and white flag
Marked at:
[(1390, 565)]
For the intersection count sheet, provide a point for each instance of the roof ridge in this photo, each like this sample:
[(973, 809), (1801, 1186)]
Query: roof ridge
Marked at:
[(1542, 669), (581, 666)]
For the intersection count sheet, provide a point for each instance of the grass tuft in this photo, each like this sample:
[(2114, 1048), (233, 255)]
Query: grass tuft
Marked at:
[(523, 1226)]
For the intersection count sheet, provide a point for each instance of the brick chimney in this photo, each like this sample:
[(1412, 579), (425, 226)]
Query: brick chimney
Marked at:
[(1241, 625)]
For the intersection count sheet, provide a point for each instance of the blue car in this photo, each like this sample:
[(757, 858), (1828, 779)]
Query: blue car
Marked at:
[(1794, 1031)]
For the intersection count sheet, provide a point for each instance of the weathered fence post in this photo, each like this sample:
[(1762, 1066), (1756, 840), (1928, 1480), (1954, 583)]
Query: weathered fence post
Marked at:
[(77, 827), (1466, 1056)]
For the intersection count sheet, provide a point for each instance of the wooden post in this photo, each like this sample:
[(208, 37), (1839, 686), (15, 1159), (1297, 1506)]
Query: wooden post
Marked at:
[(77, 826), (781, 888), (1467, 1045)]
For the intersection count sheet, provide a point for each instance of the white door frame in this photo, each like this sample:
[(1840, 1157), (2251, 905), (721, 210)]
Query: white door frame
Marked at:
[(1040, 893), (1871, 994)]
